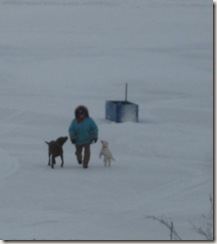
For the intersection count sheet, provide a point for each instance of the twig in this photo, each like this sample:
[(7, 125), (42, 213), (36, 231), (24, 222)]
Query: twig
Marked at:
[(170, 226)]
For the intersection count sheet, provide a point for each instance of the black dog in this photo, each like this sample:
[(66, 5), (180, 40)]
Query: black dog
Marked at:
[(55, 149)]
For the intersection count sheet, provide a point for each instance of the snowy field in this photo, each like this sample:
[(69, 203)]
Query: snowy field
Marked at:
[(58, 54)]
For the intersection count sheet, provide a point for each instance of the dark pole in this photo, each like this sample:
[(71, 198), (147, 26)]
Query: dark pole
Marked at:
[(126, 91)]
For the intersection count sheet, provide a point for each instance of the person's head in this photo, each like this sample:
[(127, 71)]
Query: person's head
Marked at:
[(81, 112)]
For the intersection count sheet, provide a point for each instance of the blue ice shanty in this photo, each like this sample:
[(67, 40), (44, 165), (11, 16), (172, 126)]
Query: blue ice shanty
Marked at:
[(122, 111)]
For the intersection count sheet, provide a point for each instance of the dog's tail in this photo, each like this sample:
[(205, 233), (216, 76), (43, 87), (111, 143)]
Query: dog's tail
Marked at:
[(48, 143)]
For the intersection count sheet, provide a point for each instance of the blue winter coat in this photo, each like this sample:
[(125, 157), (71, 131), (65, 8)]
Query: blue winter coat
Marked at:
[(83, 132)]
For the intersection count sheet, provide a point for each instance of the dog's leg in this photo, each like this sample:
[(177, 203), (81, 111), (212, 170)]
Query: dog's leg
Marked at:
[(49, 154), (53, 162), (105, 161), (62, 160), (48, 160), (109, 162)]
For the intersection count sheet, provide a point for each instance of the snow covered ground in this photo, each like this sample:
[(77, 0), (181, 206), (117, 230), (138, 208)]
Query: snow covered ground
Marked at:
[(57, 54)]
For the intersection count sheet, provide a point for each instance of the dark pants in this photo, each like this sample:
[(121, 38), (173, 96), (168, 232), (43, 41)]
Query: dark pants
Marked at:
[(78, 153)]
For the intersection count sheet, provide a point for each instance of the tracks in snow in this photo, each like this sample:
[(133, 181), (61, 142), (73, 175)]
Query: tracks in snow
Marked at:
[(8, 164)]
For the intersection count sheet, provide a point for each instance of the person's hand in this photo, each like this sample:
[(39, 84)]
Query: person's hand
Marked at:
[(95, 140), (73, 140)]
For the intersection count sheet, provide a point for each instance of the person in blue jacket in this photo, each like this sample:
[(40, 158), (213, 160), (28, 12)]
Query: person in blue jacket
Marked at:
[(83, 131)]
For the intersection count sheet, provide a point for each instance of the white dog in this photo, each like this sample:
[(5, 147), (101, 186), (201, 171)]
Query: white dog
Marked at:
[(106, 153)]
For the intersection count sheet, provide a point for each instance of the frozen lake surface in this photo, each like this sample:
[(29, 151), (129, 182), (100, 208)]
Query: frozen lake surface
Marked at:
[(56, 55)]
